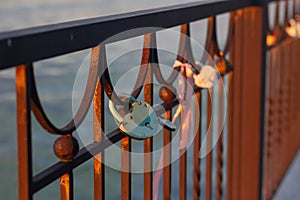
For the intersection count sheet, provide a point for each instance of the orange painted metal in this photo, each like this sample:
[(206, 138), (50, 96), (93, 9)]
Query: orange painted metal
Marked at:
[(98, 130), (148, 146), (66, 186), (125, 167), (220, 144), (235, 134), (24, 133), (247, 103), (197, 170), (281, 98), (208, 178), (182, 174), (229, 135), (167, 159)]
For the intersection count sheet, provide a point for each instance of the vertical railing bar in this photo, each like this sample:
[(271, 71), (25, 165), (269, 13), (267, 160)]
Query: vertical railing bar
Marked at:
[(212, 50), (208, 168), (288, 102), (220, 144), (263, 153), (236, 59), (283, 114), (268, 130), (167, 159), (186, 53), (148, 143), (252, 119), (148, 166), (98, 57), (182, 174), (277, 99), (229, 121), (266, 160), (24, 132), (288, 92), (196, 159), (126, 167), (277, 106), (234, 134), (66, 186)]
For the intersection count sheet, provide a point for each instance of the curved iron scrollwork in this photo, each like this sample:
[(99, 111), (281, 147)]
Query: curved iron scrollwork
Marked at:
[(99, 71), (149, 56)]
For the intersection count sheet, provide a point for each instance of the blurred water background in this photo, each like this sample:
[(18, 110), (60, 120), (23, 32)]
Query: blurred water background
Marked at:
[(55, 79)]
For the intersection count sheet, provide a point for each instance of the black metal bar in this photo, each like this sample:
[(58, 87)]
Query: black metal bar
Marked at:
[(55, 171), (29, 45)]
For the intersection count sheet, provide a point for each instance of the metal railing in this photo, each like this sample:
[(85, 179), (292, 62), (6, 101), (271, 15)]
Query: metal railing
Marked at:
[(253, 149)]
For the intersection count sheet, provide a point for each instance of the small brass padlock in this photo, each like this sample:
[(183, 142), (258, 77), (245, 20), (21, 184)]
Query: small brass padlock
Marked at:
[(140, 123)]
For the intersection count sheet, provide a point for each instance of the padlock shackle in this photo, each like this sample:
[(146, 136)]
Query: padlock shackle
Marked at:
[(114, 112), (113, 109), (128, 98)]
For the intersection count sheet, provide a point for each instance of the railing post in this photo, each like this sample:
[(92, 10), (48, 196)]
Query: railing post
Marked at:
[(66, 186), (24, 132), (247, 58), (148, 143), (100, 60)]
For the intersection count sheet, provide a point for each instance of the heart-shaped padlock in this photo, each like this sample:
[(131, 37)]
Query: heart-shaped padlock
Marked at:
[(141, 121)]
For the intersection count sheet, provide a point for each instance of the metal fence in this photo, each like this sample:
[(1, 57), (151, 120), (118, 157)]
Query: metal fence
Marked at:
[(262, 99)]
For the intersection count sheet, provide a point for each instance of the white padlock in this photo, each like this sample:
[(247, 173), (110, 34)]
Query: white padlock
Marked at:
[(141, 121)]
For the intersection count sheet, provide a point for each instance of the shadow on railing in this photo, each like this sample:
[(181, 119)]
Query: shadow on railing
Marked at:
[(252, 102)]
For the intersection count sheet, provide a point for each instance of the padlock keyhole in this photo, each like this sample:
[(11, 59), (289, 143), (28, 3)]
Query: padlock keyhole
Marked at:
[(147, 124)]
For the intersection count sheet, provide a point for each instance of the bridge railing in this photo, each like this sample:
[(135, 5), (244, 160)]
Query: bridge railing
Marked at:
[(259, 137)]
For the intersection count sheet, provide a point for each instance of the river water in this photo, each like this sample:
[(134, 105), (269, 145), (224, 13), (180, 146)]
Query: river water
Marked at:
[(55, 80)]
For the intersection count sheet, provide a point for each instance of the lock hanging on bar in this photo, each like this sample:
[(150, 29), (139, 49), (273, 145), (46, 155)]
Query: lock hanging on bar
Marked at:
[(141, 122)]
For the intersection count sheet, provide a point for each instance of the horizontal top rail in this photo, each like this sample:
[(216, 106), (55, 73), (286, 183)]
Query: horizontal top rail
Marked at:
[(32, 44)]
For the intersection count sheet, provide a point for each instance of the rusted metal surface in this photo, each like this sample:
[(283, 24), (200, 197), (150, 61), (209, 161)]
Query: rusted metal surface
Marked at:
[(126, 167), (229, 121), (236, 59), (208, 168), (247, 101), (66, 186), (280, 106), (220, 144), (251, 87), (197, 141), (212, 48), (167, 159), (182, 174), (24, 132), (148, 97), (167, 94), (99, 172)]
